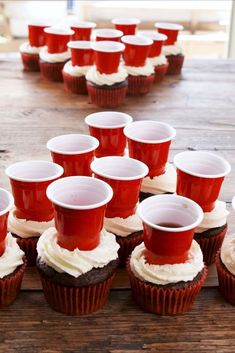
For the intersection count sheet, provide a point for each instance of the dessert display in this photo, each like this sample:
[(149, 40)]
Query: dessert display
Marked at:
[(82, 30), (124, 175), (127, 25), (33, 212), (149, 141), (108, 34)]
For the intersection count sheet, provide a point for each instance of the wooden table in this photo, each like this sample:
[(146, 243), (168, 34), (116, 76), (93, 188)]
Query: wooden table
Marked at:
[(201, 106)]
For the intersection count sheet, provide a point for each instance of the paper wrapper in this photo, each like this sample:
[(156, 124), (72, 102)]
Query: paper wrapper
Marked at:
[(106, 98), (210, 246), (10, 286), (164, 301), (29, 246), (160, 72), (226, 281), (52, 71), (139, 85), (30, 62), (75, 84), (175, 64), (127, 246), (76, 300)]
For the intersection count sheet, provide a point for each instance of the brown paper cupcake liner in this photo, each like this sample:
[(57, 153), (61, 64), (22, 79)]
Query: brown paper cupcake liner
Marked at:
[(175, 64), (139, 85), (164, 301), (29, 246), (30, 62), (106, 98), (160, 72), (226, 281), (75, 84), (52, 71), (127, 245)]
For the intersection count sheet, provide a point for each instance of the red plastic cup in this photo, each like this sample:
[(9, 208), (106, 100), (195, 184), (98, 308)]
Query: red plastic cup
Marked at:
[(127, 25), (6, 204), (37, 34), (79, 204), (81, 53), (149, 141), (124, 175), (200, 175), (57, 39), (171, 30), (158, 41), (108, 128), (108, 34), (73, 152), (136, 49), (29, 181), (107, 56), (82, 30), (169, 222)]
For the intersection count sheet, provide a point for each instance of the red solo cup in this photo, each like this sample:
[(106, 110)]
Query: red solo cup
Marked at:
[(200, 175), (29, 181), (124, 175), (57, 39), (107, 56), (127, 25), (136, 49), (81, 53), (158, 41), (171, 30), (108, 34), (73, 152), (37, 34), (108, 128), (79, 204), (6, 204), (149, 141), (82, 30), (169, 223)]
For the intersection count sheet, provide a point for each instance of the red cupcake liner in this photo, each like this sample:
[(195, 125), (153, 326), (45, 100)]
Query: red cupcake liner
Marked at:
[(175, 64), (52, 71), (160, 72), (10, 286), (30, 62), (127, 246), (164, 301), (226, 281), (75, 84), (29, 246), (139, 85), (76, 300), (210, 246), (106, 98)]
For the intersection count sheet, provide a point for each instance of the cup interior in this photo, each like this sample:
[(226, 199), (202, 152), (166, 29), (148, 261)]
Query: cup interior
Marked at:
[(156, 37), (126, 21), (79, 44), (83, 24), (108, 46), (59, 31), (72, 144), (169, 26), (137, 40), (6, 202), (108, 120), (108, 33)]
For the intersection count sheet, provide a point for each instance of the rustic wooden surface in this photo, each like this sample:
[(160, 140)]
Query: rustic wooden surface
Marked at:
[(200, 105)]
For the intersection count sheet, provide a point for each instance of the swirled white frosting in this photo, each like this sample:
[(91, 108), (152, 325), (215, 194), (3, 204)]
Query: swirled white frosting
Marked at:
[(99, 79), (11, 258), (216, 218), (55, 57), (227, 253), (162, 183), (123, 226), (174, 49), (26, 229), (76, 262), (146, 70), (77, 71), (158, 60), (26, 48), (164, 274)]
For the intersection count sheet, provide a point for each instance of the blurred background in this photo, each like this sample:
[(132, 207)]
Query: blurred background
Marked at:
[(209, 25)]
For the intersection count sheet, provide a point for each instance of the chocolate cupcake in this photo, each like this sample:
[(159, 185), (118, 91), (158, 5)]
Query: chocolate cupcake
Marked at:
[(175, 57), (160, 64), (30, 57), (51, 65)]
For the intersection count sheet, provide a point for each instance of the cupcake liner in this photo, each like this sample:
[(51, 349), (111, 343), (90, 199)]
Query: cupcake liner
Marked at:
[(226, 281), (138, 85), (127, 245), (10, 286), (175, 64), (210, 246), (52, 71), (30, 62), (160, 72), (106, 97), (75, 84), (164, 301), (29, 246), (76, 300)]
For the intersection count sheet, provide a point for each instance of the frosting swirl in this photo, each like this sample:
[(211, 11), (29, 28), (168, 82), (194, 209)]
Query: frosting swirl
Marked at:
[(216, 218), (123, 226), (174, 49), (145, 70), (54, 58), (77, 71), (99, 79), (227, 253), (11, 258), (158, 60), (164, 274), (26, 48), (76, 262), (162, 183)]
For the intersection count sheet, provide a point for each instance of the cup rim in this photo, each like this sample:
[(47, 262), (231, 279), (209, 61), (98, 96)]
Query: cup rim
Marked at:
[(126, 21), (38, 24), (11, 201), (155, 36), (159, 123), (169, 26), (136, 39), (10, 175), (59, 31), (108, 46), (93, 140), (79, 207), (83, 24), (108, 32), (79, 44), (168, 229), (178, 165), (88, 120)]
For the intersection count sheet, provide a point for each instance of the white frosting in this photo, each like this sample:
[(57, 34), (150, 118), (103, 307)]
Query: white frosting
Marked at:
[(26, 229), (11, 258), (77, 71), (227, 253), (26, 48), (162, 183), (95, 76), (174, 49), (123, 226), (216, 218), (76, 262), (158, 60), (164, 274), (54, 58), (145, 70)]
